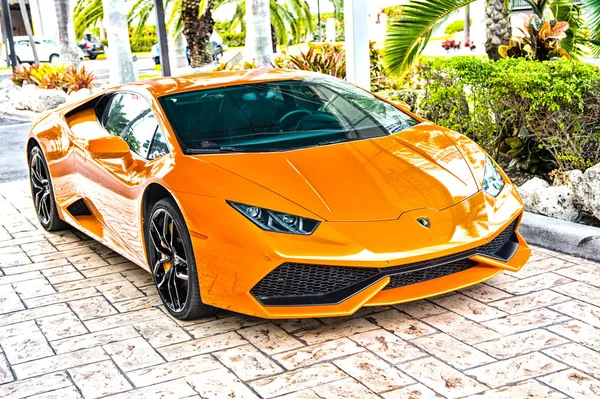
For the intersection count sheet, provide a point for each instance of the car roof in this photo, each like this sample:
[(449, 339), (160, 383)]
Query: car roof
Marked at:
[(169, 85)]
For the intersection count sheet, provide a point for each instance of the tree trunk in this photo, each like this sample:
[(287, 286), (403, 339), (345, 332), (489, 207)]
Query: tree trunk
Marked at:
[(197, 30), (177, 51), (274, 38), (259, 45), (119, 57), (66, 32), (498, 29), (468, 23)]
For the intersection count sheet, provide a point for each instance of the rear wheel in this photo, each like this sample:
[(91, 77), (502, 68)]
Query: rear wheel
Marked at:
[(42, 193), (92, 56), (53, 58), (171, 258)]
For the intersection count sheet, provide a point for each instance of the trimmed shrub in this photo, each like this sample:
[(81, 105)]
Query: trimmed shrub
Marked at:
[(234, 39), (538, 116), (455, 27)]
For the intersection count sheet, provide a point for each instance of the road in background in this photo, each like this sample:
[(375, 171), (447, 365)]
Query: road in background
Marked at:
[(13, 162)]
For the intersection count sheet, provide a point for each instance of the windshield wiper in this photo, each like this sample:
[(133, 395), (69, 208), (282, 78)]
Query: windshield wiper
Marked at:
[(326, 142), (228, 149)]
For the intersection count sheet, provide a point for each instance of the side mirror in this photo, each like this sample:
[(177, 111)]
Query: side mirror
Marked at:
[(108, 147), (401, 104)]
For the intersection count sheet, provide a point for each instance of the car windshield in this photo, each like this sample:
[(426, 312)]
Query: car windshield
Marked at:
[(279, 116)]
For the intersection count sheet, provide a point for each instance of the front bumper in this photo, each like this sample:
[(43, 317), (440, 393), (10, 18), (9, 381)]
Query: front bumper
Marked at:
[(346, 265)]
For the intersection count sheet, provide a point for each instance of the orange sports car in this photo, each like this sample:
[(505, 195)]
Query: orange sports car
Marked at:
[(275, 193)]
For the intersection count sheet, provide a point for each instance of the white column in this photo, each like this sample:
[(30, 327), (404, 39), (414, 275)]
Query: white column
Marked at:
[(357, 42)]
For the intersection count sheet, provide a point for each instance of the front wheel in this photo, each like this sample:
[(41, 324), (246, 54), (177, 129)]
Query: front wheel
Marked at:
[(42, 193), (92, 56), (53, 58), (172, 261)]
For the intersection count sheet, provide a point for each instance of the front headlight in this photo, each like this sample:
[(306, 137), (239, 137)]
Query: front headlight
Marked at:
[(492, 179), (278, 222)]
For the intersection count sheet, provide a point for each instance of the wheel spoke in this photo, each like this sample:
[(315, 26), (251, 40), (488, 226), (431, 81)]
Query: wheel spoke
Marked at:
[(174, 285), (168, 230), (170, 285), (157, 240), (165, 279)]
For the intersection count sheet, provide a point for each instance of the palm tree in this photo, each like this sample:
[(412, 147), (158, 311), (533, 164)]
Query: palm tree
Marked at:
[(259, 45), (591, 10), (197, 28), (66, 32), (119, 52), (408, 36)]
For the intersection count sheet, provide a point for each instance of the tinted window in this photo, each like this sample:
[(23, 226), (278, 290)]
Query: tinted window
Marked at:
[(159, 146), (129, 116), (280, 116)]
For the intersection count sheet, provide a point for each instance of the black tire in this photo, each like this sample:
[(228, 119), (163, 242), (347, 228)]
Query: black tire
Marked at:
[(172, 262), (52, 58), (42, 193), (92, 56)]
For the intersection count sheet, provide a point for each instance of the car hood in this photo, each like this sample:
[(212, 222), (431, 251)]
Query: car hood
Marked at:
[(365, 180)]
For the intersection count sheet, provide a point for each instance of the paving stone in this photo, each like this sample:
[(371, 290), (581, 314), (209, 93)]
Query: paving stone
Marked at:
[(420, 309), (22, 328), (581, 291), (462, 329), (13, 259), (416, 391), (269, 338), (9, 300), (531, 301), (586, 273), (59, 362), (32, 267), (404, 326), (139, 277), (485, 293), (580, 310), (442, 378), (537, 267), (62, 393), (525, 321), (223, 325), (347, 389), (99, 271), (121, 291), (122, 319), (535, 283), (143, 302), (176, 389), (89, 282), (26, 347), (452, 351), (517, 369), (373, 372), (173, 370), (296, 325), (62, 278), (54, 271), (573, 383), (57, 255), (93, 307), (94, 339), (220, 383), (341, 329), (162, 331), (297, 380), (201, 346), (520, 344), (5, 373), (29, 387), (468, 307), (388, 346), (247, 362), (38, 248), (580, 332), (530, 389), (61, 297), (61, 326), (99, 379), (15, 278), (501, 278), (316, 353), (132, 354), (578, 356)]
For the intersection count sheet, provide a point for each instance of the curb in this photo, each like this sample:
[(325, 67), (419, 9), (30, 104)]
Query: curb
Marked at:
[(562, 236), (21, 116)]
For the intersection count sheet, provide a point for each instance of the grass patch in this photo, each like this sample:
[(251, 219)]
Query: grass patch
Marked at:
[(144, 76)]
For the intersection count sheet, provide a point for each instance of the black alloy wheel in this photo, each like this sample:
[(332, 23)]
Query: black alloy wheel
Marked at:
[(172, 262), (42, 193)]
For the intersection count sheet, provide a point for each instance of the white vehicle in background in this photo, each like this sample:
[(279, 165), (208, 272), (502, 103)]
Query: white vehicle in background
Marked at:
[(48, 50)]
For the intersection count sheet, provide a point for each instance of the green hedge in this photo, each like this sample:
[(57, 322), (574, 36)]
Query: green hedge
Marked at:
[(234, 39), (143, 44), (539, 116), (455, 27)]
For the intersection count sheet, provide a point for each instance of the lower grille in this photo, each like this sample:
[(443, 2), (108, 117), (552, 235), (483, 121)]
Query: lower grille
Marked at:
[(306, 284)]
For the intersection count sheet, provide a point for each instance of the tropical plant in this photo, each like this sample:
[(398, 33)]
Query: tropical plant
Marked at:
[(408, 35), (330, 62), (77, 78), (66, 32), (540, 40), (65, 77)]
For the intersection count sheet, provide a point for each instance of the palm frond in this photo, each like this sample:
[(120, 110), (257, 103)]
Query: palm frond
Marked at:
[(407, 37), (591, 10)]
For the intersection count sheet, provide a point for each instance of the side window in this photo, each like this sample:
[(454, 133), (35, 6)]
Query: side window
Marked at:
[(159, 146), (129, 116)]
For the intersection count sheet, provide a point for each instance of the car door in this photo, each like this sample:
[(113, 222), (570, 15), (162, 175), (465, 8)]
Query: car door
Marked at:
[(23, 51), (113, 185)]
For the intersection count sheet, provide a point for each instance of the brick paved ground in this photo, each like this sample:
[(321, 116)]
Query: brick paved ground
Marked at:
[(77, 320)]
